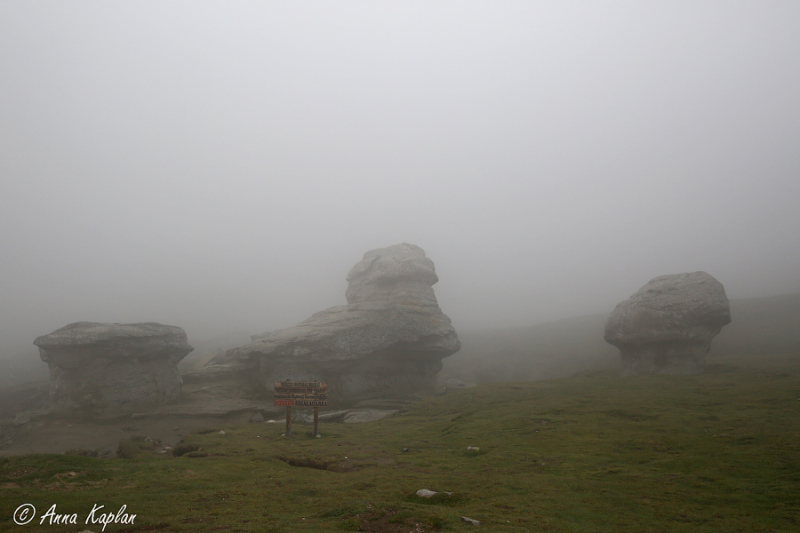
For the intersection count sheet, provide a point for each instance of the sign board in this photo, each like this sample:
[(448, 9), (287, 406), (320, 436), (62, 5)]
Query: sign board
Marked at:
[(301, 394)]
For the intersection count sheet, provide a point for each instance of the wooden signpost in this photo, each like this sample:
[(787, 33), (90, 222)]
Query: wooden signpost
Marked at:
[(301, 394)]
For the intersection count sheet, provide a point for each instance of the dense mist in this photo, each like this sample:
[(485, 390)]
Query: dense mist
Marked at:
[(221, 166)]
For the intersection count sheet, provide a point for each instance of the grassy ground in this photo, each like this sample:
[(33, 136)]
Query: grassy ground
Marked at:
[(714, 452)]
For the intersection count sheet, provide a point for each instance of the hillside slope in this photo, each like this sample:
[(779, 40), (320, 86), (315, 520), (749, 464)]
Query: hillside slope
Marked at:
[(565, 347)]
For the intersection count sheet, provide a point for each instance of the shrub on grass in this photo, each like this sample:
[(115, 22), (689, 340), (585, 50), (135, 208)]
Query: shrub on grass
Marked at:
[(133, 446), (182, 449)]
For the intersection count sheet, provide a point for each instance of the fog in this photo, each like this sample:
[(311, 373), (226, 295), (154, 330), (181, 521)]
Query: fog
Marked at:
[(221, 166)]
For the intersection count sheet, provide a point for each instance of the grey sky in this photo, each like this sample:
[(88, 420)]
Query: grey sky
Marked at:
[(221, 166)]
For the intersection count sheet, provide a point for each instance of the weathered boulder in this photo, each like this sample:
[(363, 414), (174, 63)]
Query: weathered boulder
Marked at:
[(667, 326), (400, 274), (101, 369), (388, 341)]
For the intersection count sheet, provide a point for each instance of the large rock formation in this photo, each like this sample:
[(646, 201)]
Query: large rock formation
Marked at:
[(388, 341), (667, 326), (105, 369)]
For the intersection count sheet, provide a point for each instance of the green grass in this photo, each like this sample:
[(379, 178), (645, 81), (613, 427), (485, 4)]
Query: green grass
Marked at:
[(718, 452)]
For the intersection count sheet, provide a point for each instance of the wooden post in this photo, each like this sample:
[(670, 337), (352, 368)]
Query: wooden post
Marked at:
[(316, 421), (288, 421)]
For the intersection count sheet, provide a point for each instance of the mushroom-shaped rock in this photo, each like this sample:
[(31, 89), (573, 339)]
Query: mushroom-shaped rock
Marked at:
[(667, 326), (106, 369), (400, 274), (388, 341)]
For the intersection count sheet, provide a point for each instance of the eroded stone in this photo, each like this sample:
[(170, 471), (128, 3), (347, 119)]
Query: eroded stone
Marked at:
[(666, 327), (98, 369), (388, 341)]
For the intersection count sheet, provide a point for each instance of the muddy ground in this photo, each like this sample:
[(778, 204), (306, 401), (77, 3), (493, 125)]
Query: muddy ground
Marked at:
[(25, 428), (58, 435)]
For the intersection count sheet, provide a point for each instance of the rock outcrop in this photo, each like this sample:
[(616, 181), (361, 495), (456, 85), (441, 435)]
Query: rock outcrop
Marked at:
[(101, 369), (388, 340), (667, 326)]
